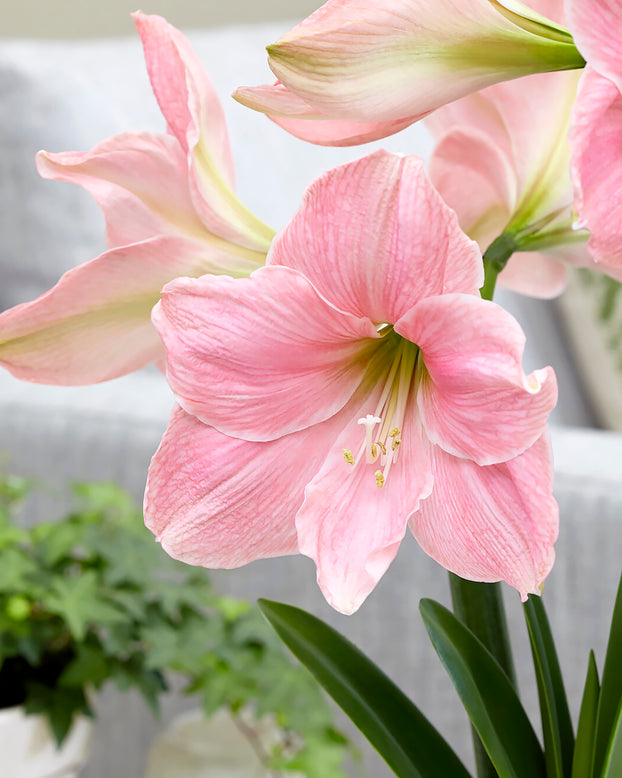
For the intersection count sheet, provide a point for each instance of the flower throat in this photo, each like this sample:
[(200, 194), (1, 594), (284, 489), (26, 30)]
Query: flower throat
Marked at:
[(383, 427)]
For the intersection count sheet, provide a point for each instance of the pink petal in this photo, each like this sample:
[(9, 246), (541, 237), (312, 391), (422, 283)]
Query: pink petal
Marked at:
[(595, 27), (535, 274), (299, 119), (140, 182), (184, 93), (492, 523), (194, 114), (475, 401), (362, 61), (374, 236), (350, 527), (536, 115), (218, 501), (466, 160), (596, 140), (95, 323), (263, 356), (525, 123)]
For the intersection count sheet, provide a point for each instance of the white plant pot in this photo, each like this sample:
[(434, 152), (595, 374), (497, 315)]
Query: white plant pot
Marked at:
[(196, 747), (28, 748)]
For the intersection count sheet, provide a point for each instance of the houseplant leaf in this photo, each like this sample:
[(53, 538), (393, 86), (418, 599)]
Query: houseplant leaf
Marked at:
[(611, 687), (586, 728), (487, 694), (390, 721), (613, 757), (556, 722)]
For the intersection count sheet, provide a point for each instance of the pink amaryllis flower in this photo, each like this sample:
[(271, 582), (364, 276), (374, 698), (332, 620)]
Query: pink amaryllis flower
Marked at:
[(355, 386), (358, 70), (596, 127), (170, 211), (507, 146)]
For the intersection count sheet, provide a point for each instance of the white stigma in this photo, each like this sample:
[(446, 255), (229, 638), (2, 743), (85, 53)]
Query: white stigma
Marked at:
[(371, 450)]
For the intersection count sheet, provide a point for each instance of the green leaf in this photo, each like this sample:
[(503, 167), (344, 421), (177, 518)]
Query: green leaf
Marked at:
[(390, 721), (59, 705), (611, 687), (613, 759), (480, 607), (487, 695), (556, 722), (14, 571), (89, 668), (55, 541), (79, 601), (586, 728)]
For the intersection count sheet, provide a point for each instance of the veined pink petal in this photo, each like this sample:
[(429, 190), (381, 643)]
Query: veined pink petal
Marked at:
[(297, 117), (475, 401), (525, 124), (536, 115), (194, 114), (535, 274), (218, 501), (492, 523), (185, 94), (467, 161), (350, 527), (362, 229), (596, 26), (95, 323), (140, 182), (361, 61), (263, 356), (596, 140)]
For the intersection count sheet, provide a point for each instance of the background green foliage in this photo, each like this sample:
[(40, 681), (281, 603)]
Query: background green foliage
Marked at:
[(93, 598)]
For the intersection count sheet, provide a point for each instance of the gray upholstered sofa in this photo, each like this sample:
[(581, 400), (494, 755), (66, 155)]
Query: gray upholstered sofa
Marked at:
[(68, 96)]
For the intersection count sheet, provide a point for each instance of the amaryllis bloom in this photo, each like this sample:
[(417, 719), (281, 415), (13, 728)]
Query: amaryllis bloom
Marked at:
[(507, 147), (358, 70), (170, 211), (355, 386), (596, 129)]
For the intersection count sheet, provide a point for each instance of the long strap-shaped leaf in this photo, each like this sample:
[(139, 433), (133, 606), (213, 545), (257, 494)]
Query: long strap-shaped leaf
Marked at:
[(486, 693), (586, 728), (391, 722), (611, 688), (613, 757), (556, 721)]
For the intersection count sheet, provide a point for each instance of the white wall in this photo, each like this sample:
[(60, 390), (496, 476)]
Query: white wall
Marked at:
[(102, 18)]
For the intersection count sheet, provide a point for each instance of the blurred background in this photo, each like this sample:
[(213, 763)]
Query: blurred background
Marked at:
[(84, 18)]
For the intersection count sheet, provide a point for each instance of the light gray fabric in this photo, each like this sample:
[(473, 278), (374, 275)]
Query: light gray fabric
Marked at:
[(64, 96)]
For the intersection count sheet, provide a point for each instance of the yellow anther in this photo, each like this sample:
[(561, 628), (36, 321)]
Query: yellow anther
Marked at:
[(394, 432), (383, 448), (379, 479), (397, 442), (374, 450), (348, 456)]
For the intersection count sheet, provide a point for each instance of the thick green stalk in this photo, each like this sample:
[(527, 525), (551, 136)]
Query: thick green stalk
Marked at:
[(479, 605), (495, 259)]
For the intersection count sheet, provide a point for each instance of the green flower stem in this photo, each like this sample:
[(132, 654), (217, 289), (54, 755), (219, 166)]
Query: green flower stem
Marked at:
[(479, 605), (495, 259)]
